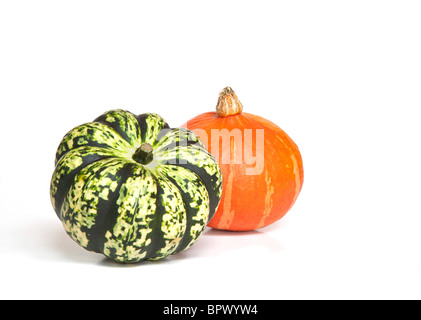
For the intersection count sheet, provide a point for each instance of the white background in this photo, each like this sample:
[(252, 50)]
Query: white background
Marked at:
[(342, 78)]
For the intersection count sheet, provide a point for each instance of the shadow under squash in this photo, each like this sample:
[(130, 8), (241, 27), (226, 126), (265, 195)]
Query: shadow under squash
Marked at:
[(47, 240)]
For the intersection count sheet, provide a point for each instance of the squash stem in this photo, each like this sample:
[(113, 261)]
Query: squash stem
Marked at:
[(144, 154), (228, 103)]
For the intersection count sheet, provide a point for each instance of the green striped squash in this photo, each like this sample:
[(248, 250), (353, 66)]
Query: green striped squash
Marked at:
[(132, 188)]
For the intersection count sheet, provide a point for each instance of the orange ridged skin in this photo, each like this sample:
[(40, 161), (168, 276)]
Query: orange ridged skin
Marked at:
[(250, 202)]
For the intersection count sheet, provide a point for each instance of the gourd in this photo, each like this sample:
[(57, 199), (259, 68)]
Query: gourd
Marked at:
[(261, 165), (132, 188)]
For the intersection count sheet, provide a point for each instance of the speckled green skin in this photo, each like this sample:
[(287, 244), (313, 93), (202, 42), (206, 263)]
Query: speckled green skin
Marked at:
[(111, 204)]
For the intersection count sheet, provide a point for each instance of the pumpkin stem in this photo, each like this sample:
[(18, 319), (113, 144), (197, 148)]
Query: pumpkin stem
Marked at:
[(228, 103), (144, 154)]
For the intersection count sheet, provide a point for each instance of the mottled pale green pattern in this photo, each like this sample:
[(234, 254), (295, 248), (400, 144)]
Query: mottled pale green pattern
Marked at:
[(111, 204), (192, 155), (197, 205), (154, 124), (71, 162), (125, 123), (131, 235), (178, 136), (183, 148), (79, 211), (174, 219), (95, 134)]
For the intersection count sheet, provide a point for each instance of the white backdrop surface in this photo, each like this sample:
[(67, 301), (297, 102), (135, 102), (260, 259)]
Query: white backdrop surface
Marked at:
[(342, 78)]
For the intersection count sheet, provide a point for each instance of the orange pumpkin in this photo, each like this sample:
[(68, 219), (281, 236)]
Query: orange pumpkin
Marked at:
[(261, 166)]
